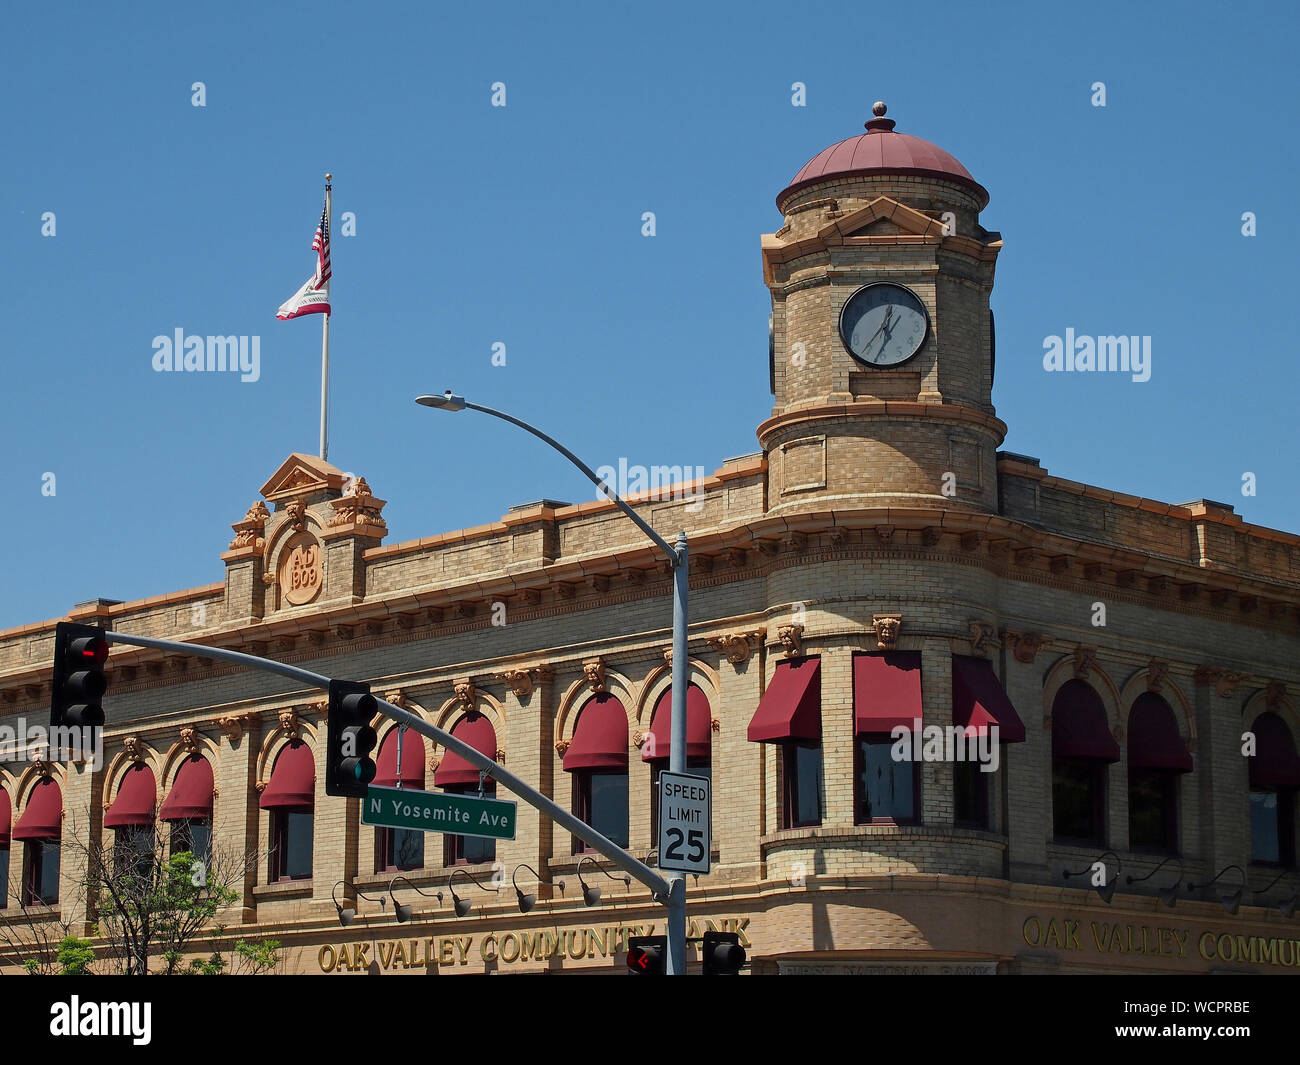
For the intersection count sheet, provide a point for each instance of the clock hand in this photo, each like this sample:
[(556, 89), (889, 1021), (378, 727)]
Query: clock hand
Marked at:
[(884, 322)]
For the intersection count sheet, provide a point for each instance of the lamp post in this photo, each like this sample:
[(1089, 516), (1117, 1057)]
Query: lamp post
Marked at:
[(676, 554)]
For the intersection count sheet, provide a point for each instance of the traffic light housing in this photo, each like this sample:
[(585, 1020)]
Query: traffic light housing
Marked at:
[(80, 652), (349, 769), (722, 954), (646, 955)]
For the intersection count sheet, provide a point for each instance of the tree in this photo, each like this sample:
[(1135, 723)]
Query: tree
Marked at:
[(148, 906)]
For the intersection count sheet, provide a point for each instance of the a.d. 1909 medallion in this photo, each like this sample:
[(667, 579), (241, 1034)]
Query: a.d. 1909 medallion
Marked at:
[(884, 324)]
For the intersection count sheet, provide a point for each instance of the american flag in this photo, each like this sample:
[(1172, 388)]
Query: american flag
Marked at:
[(320, 244), (314, 296)]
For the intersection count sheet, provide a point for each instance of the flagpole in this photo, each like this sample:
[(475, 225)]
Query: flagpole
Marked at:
[(325, 343)]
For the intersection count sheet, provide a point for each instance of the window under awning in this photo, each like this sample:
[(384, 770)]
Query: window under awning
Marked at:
[(1079, 728), (979, 700), (293, 780), (1153, 740), (412, 775), (1276, 764), (699, 726), (190, 798), (791, 708), (599, 737), (886, 691), (43, 815), (136, 795), (476, 730)]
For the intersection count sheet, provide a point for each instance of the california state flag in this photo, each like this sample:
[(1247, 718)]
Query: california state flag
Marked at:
[(314, 296)]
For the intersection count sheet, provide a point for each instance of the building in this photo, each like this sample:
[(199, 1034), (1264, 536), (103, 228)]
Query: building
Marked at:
[(877, 564)]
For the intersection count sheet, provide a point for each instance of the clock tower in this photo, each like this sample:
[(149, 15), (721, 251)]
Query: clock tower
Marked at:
[(882, 341)]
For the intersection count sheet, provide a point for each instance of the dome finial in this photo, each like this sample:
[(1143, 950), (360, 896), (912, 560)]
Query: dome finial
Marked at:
[(879, 124)]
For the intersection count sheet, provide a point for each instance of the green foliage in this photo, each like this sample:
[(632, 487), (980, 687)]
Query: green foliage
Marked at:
[(75, 956)]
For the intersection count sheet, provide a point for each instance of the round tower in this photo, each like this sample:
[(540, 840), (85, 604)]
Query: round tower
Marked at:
[(882, 338)]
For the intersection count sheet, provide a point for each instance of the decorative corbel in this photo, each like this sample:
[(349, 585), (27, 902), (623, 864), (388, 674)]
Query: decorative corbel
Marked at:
[(1085, 661), (398, 698), (465, 692), (562, 747), (737, 646), (593, 671), (233, 724), (887, 628), (981, 632), (133, 748), (791, 637), (190, 740), (288, 722), (1025, 645), (1156, 671)]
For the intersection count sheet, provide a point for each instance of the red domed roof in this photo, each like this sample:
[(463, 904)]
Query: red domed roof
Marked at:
[(882, 151)]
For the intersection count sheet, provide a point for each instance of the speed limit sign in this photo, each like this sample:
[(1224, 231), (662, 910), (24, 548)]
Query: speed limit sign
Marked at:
[(685, 820)]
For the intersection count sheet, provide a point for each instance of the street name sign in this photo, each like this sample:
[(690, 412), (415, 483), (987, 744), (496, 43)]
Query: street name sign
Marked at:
[(685, 823), (437, 811)]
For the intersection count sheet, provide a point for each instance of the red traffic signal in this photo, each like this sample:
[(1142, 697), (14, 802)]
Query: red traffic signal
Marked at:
[(646, 954), (79, 683)]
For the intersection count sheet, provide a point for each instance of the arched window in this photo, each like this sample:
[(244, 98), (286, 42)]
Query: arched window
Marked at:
[(1274, 778), (399, 849), (6, 823), (455, 775), (188, 808), (597, 763), (886, 694), (1157, 757), (290, 796), (1082, 750), (699, 743), (790, 714), (41, 828), (131, 819)]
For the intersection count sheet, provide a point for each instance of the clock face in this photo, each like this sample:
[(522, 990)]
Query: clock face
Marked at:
[(884, 324)]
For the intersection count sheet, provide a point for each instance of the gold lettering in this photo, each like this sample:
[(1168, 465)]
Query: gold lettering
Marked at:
[(1287, 943), (1097, 937), (1180, 937), (326, 966), (693, 928), (360, 955), (738, 926), (1267, 950), (532, 947), (598, 943), (509, 942), (399, 954), (1204, 944), (446, 947), (1053, 935), (463, 943), (1036, 937), (483, 947), (430, 955), (1072, 935), (1225, 953), (576, 951), (386, 956)]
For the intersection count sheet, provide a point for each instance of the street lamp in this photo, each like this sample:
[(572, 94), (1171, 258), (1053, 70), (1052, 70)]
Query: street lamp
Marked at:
[(1106, 889), (590, 892), (401, 910), (1232, 901), (463, 906), (347, 914), (1167, 895), (677, 556)]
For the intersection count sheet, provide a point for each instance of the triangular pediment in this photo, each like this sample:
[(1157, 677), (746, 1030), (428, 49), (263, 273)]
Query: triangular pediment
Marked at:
[(302, 475), (880, 217)]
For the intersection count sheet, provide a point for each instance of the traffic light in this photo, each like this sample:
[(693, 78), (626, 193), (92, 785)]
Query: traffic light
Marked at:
[(722, 954), (79, 682), (349, 769), (646, 954)]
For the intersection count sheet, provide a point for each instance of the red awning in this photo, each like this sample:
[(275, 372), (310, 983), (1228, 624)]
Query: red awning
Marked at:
[(791, 708), (6, 817), (600, 736), (43, 815), (191, 796), (136, 796), (474, 729), (1275, 764), (1079, 728), (886, 691), (699, 726), (293, 780), (412, 760), (979, 700), (1153, 740)]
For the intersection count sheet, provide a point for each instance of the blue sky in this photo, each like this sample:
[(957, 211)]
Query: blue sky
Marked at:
[(523, 225)]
